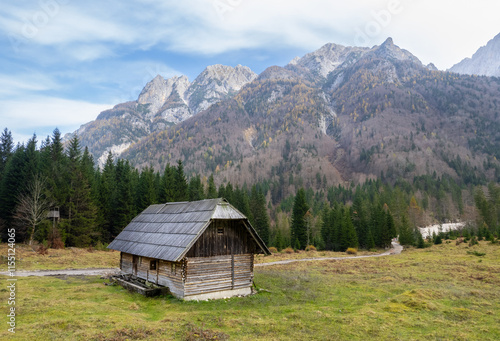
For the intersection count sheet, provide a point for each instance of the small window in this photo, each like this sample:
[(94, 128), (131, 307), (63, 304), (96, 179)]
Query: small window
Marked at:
[(152, 265), (172, 268), (220, 230)]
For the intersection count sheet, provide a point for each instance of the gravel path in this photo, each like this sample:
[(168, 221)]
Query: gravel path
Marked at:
[(395, 250)]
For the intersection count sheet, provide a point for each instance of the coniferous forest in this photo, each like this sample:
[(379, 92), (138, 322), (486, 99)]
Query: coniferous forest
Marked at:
[(94, 204)]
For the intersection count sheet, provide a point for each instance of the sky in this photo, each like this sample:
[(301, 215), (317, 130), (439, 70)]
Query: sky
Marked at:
[(62, 62)]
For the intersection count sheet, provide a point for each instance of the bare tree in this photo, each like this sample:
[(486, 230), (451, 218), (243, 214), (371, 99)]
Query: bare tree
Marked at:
[(33, 205)]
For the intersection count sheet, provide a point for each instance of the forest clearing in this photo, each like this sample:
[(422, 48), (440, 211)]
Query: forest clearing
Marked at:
[(447, 291)]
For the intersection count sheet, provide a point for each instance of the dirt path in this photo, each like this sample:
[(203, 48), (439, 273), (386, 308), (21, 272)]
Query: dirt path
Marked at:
[(395, 250)]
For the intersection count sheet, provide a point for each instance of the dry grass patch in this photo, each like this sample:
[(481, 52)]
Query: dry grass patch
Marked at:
[(54, 259)]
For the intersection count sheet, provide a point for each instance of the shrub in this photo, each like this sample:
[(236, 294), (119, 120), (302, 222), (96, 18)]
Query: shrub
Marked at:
[(476, 253), (438, 240), (288, 250), (473, 241), (42, 250), (352, 251), (310, 248), (100, 246), (273, 249)]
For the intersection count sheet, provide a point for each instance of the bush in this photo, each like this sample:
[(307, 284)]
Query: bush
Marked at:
[(42, 250), (473, 241), (352, 251), (100, 246), (438, 240), (288, 250), (310, 248), (273, 249)]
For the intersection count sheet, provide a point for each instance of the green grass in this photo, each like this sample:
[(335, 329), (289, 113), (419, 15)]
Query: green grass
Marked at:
[(438, 293)]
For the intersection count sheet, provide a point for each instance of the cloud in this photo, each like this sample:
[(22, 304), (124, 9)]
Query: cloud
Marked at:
[(93, 30), (38, 114)]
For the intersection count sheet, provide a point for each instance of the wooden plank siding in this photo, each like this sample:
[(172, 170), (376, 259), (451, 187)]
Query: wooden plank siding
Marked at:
[(234, 239), (217, 273), (164, 274)]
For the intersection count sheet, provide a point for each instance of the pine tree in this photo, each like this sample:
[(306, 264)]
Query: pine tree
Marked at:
[(298, 228)]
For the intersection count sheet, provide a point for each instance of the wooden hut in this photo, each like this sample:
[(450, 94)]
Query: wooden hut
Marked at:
[(199, 250)]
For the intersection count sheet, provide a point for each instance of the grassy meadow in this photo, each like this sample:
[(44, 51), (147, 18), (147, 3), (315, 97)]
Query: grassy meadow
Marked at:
[(445, 292)]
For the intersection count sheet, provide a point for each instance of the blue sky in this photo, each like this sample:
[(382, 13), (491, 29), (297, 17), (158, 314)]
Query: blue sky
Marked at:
[(64, 61)]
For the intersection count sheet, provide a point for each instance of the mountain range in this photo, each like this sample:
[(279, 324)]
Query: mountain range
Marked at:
[(339, 114)]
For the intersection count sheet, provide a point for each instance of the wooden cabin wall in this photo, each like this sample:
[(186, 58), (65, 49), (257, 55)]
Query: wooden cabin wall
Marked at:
[(217, 273), (235, 239), (164, 274), (172, 278), (126, 262)]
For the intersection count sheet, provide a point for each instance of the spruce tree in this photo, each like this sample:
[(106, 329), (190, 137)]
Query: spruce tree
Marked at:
[(6, 149), (211, 189), (298, 228), (259, 213), (406, 235), (181, 185)]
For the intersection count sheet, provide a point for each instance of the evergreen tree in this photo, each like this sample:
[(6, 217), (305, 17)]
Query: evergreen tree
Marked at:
[(242, 203), (167, 191), (81, 226), (348, 233), (12, 182), (107, 188), (145, 189), (195, 189), (6, 149), (259, 214), (181, 185), (298, 228), (211, 190), (406, 235), (122, 200)]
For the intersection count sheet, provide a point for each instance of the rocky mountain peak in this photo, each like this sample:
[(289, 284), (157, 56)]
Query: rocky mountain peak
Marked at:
[(326, 59), (215, 83), (388, 50), (485, 62)]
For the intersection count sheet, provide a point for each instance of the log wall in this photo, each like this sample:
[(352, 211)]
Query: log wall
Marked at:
[(217, 273), (165, 274)]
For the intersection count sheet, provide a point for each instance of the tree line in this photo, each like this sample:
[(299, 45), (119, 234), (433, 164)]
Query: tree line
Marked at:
[(96, 203)]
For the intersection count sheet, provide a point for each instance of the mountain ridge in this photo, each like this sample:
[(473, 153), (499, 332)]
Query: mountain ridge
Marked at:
[(379, 112), (484, 62)]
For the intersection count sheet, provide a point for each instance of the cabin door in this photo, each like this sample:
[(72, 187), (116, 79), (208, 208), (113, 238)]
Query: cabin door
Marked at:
[(135, 261)]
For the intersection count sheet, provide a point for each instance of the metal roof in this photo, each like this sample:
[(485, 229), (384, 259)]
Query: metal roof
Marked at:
[(167, 231)]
